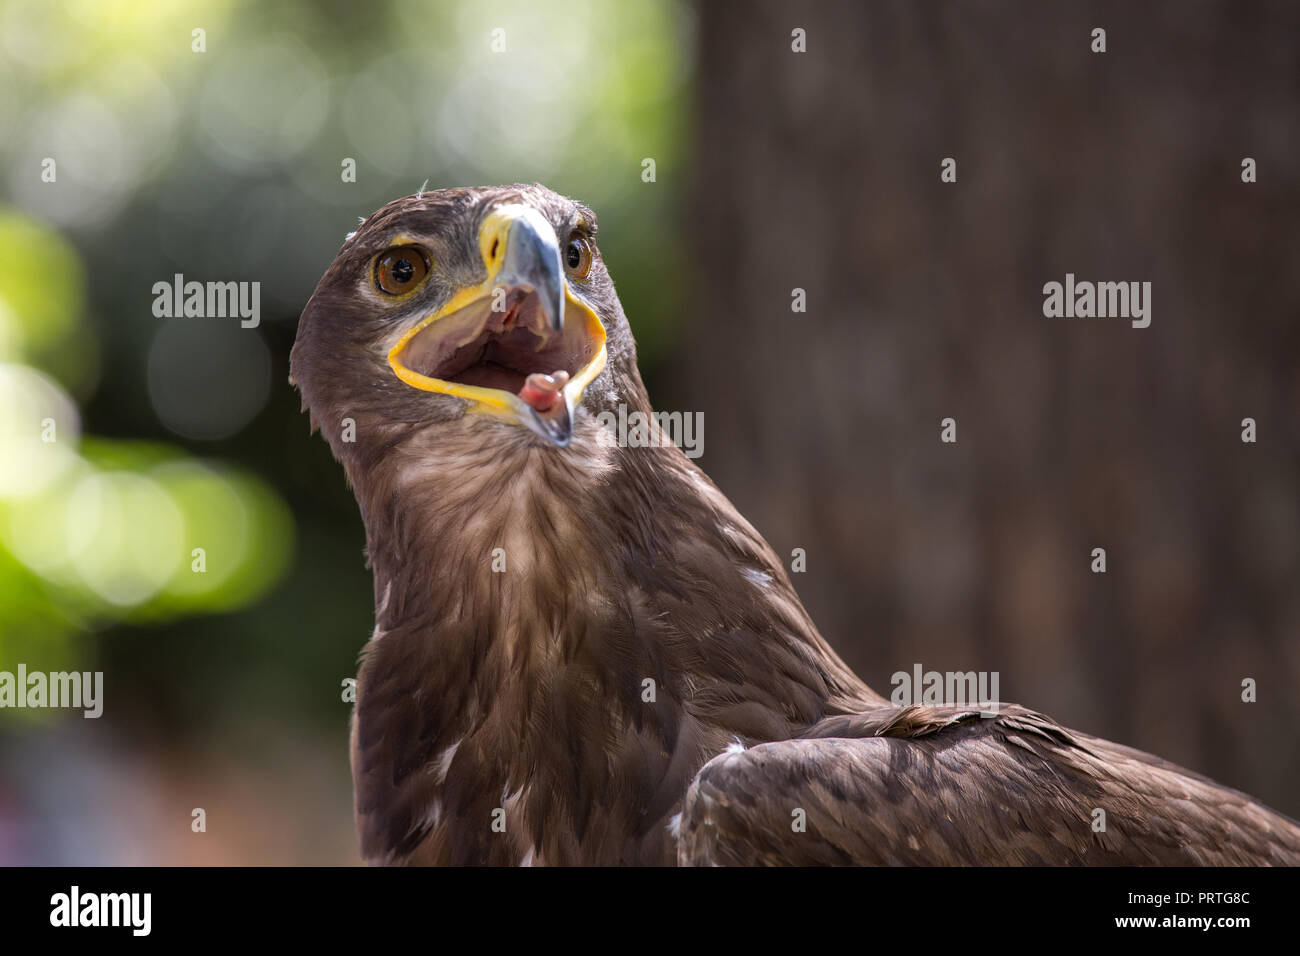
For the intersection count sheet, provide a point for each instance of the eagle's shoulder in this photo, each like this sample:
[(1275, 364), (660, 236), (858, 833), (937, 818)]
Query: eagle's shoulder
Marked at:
[(925, 786)]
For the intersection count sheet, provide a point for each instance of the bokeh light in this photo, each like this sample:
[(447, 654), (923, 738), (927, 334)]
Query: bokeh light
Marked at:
[(207, 378), (38, 431), (263, 101), (123, 535)]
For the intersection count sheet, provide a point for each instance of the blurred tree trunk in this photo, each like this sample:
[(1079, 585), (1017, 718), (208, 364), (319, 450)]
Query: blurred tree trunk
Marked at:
[(821, 171)]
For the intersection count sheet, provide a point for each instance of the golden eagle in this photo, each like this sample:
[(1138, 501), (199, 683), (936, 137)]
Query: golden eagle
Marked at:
[(583, 654)]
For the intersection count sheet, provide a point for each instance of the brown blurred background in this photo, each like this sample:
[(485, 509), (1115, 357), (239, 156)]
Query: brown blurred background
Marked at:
[(776, 170)]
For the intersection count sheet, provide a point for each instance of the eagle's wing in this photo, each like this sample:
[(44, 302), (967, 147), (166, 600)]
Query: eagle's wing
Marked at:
[(925, 786)]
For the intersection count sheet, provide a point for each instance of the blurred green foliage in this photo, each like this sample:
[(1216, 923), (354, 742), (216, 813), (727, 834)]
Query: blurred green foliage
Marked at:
[(99, 530)]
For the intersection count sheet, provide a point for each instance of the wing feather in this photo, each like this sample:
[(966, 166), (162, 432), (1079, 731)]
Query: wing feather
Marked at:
[(943, 786)]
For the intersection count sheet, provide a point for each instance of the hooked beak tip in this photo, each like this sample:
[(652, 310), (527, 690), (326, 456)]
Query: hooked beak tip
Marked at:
[(556, 427)]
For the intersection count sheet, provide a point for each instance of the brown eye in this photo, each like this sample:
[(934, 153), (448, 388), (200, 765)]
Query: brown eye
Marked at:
[(400, 269), (577, 257)]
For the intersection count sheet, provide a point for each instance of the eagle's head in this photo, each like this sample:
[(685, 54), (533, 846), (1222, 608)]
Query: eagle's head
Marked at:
[(486, 302)]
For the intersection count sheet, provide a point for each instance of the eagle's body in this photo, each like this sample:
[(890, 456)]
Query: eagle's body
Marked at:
[(584, 654)]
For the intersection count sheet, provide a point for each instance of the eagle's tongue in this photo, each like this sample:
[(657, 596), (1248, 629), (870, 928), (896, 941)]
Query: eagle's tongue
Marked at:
[(542, 391)]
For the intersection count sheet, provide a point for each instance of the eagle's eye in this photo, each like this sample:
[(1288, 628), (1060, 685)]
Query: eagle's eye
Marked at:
[(401, 269), (577, 257)]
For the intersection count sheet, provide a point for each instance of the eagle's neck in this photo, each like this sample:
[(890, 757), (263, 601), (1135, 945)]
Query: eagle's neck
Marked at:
[(469, 528), (557, 624)]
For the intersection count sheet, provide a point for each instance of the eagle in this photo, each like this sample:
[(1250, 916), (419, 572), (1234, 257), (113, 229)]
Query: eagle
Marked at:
[(583, 653)]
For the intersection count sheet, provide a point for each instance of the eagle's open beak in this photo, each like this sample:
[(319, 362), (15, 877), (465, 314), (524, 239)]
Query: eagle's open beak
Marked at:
[(520, 346)]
